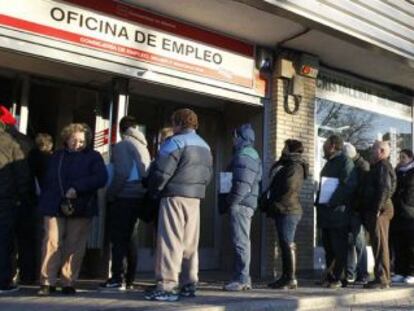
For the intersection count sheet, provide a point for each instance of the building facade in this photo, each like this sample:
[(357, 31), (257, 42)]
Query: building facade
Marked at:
[(294, 69)]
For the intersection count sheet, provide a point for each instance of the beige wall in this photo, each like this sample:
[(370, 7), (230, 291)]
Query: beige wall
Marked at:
[(281, 126)]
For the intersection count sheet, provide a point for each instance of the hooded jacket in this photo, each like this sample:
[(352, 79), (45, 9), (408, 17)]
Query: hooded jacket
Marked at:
[(246, 167), (290, 172), (131, 151), (183, 167)]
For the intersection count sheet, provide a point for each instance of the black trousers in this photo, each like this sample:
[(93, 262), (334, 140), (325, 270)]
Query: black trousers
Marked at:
[(122, 222), (27, 243), (335, 243), (7, 223), (403, 245)]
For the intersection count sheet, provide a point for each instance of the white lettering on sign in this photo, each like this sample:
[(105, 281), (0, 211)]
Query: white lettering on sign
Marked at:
[(76, 25), (347, 93)]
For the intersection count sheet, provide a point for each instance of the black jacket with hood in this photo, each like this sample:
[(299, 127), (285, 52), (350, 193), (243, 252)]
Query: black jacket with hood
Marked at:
[(289, 174)]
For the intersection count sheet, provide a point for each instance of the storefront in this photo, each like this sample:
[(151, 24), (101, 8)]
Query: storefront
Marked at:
[(361, 112), (76, 61)]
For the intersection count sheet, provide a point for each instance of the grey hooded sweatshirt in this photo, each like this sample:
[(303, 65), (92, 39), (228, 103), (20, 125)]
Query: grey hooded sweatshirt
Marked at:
[(131, 151)]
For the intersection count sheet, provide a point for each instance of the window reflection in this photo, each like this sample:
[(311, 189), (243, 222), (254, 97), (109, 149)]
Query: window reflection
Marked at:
[(361, 127)]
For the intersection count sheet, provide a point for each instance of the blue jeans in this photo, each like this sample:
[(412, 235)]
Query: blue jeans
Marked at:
[(357, 262), (240, 223), (286, 227)]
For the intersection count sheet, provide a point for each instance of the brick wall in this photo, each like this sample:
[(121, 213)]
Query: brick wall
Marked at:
[(281, 126)]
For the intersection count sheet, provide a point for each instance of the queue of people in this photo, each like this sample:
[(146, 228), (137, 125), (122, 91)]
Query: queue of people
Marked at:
[(364, 197)]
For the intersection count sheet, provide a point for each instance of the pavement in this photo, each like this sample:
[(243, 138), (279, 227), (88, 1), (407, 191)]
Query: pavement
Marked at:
[(210, 297)]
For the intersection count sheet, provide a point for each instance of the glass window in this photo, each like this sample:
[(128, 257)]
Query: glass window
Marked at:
[(361, 127)]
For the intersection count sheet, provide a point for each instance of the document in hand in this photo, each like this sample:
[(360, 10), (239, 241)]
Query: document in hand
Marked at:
[(328, 187), (225, 182)]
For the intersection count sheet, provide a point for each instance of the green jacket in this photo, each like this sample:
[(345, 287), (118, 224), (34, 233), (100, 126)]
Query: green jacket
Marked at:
[(336, 213)]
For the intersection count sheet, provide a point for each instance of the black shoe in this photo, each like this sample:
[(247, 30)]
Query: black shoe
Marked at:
[(68, 290), (276, 284), (362, 280), (284, 284), (46, 290), (112, 285), (376, 285), (188, 290), (129, 285), (8, 289)]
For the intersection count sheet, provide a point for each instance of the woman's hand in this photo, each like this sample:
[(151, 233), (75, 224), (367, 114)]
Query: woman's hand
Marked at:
[(71, 193)]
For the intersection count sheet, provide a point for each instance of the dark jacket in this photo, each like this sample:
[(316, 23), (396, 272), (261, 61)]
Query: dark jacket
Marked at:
[(39, 162), (183, 167), (403, 199), (380, 186), (361, 170), (84, 171), (246, 167), (15, 179), (290, 172), (336, 213)]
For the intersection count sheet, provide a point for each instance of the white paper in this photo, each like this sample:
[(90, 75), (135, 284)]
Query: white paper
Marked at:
[(328, 187), (225, 181)]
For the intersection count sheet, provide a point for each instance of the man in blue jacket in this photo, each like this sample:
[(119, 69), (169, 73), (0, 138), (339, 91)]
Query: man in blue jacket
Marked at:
[(246, 167), (179, 176)]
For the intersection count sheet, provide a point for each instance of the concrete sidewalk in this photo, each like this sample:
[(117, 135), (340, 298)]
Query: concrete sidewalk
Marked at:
[(210, 297)]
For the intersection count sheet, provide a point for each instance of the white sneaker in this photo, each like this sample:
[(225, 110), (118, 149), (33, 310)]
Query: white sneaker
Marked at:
[(237, 286), (409, 279), (397, 278)]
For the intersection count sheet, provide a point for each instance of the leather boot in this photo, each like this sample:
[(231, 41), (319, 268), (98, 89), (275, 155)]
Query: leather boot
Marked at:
[(289, 280)]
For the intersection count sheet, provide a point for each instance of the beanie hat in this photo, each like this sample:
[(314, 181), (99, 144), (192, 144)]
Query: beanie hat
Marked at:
[(349, 150), (6, 117)]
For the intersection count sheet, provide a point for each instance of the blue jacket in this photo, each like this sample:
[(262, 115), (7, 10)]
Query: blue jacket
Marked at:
[(183, 167), (246, 167), (84, 171)]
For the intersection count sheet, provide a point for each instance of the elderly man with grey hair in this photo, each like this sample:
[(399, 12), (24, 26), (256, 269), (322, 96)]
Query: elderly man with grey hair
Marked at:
[(378, 211), (357, 263)]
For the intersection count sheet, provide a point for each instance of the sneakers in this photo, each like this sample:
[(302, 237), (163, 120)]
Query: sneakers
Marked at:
[(161, 295), (46, 290), (188, 290), (361, 280), (112, 285), (237, 286), (8, 289), (397, 278), (68, 290), (409, 279)]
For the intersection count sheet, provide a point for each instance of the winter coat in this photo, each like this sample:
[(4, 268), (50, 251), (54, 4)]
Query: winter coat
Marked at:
[(15, 179), (246, 168), (335, 214), (131, 151), (84, 171), (403, 199), (290, 172), (379, 188), (183, 167)]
